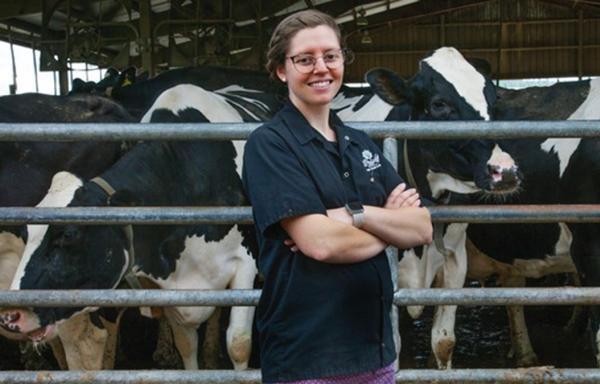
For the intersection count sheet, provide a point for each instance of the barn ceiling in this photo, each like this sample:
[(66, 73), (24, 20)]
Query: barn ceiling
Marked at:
[(158, 34)]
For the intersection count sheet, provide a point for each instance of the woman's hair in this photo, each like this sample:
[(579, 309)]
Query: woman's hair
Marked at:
[(287, 29)]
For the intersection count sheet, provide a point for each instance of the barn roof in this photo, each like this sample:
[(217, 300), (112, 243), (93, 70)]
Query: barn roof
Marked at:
[(517, 38)]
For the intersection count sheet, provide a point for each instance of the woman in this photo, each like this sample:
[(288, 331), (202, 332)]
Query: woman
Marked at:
[(326, 204)]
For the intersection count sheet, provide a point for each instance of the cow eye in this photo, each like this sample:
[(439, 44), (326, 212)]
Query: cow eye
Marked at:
[(438, 104)]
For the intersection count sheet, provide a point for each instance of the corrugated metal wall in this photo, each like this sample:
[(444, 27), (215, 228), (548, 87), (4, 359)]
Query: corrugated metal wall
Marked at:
[(519, 38)]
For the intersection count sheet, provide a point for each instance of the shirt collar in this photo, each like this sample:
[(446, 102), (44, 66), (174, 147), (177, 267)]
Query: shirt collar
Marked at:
[(304, 132)]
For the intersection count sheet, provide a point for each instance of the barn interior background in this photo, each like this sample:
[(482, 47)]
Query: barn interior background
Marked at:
[(518, 38)]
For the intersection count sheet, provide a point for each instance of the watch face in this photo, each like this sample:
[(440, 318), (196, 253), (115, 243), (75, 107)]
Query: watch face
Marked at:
[(355, 206)]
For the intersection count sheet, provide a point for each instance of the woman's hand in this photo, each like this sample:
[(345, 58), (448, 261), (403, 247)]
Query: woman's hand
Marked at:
[(402, 197)]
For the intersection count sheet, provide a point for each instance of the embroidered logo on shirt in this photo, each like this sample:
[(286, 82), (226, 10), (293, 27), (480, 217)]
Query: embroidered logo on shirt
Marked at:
[(370, 161)]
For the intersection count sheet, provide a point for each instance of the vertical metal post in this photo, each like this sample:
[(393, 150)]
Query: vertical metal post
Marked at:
[(64, 73), (580, 46), (35, 69), (147, 45), (442, 30), (12, 87), (390, 152), (260, 42), (55, 87), (499, 52)]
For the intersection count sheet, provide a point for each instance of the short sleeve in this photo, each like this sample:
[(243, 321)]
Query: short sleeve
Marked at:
[(276, 182), (390, 176)]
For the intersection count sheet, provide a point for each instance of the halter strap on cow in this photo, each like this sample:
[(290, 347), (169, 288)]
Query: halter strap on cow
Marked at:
[(438, 228), (128, 275)]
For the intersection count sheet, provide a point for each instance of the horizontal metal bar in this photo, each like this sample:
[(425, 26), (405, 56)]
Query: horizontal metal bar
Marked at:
[(129, 298), (123, 215), (237, 131), (499, 296), (521, 375), (244, 297), (568, 213)]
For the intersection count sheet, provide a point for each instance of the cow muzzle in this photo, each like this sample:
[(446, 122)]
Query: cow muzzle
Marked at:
[(503, 173), (504, 179), (23, 323)]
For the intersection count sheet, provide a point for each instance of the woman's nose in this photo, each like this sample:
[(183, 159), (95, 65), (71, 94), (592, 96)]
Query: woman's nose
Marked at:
[(320, 65)]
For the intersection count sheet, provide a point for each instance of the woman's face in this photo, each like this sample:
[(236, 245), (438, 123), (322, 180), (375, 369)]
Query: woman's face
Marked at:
[(318, 87)]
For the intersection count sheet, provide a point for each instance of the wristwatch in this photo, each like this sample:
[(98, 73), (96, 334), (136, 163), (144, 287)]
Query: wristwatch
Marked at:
[(356, 210)]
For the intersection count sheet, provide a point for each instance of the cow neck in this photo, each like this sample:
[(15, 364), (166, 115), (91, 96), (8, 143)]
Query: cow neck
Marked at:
[(407, 169), (128, 273), (438, 228)]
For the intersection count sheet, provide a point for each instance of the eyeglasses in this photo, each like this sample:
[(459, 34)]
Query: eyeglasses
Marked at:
[(305, 63)]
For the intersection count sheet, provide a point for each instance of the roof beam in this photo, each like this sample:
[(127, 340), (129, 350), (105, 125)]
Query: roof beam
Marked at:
[(9, 9)]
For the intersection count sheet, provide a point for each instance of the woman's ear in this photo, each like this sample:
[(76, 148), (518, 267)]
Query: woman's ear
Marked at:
[(281, 73)]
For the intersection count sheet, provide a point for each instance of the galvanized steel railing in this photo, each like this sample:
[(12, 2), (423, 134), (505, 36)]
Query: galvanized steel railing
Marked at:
[(188, 215), (248, 297), (240, 131), (529, 375)]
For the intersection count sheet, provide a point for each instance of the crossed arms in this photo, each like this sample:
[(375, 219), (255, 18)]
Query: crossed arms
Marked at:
[(332, 238)]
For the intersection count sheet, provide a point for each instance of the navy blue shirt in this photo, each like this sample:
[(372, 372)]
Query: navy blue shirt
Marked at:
[(317, 319)]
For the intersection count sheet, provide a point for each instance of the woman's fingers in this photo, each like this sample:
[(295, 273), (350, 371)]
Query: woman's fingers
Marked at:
[(394, 198), (411, 200)]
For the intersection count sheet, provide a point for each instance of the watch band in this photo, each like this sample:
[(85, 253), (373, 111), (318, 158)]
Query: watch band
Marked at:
[(358, 219), (356, 210)]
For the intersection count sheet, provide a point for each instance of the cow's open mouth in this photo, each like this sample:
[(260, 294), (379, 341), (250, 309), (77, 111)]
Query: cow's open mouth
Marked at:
[(501, 195), (40, 334)]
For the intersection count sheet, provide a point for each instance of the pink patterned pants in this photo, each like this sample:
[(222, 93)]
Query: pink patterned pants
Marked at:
[(383, 375)]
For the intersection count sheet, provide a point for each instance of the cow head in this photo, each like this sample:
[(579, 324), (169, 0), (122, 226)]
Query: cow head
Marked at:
[(65, 257), (448, 87)]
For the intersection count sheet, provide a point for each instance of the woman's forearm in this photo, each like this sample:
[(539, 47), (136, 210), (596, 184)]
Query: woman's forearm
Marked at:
[(332, 241), (404, 227)]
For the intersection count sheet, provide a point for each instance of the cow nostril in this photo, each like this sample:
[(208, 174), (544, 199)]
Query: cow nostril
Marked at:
[(14, 317), (494, 171), (9, 317)]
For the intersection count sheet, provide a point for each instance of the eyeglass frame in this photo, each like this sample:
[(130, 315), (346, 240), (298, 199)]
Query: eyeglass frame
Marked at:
[(347, 58)]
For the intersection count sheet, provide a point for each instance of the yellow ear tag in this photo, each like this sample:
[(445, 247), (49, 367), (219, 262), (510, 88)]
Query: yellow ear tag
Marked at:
[(126, 82)]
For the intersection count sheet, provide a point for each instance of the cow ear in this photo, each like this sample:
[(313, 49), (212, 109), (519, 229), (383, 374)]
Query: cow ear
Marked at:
[(481, 65), (123, 198), (111, 73), (77, 86), (389, 86)]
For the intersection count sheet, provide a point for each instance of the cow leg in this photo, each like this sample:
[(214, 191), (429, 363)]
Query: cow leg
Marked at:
[(452, 275), (110, 350), (239, 331), (185, 338), (415, 272), (519, 335), (211, 347), (11, 249), (83, 342), (59, 353)]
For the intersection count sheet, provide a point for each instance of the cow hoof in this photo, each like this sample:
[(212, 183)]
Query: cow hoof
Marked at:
[(529, 360), (415, 311), (239, 351), (443, 353)]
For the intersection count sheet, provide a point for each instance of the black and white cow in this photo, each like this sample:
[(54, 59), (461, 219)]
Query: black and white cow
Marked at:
[(137, 98), (569, 175), (25, 175), (185, 257), (543, 249), (446, 87)]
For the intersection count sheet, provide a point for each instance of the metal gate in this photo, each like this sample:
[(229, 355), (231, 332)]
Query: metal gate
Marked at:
[(227, 215)]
